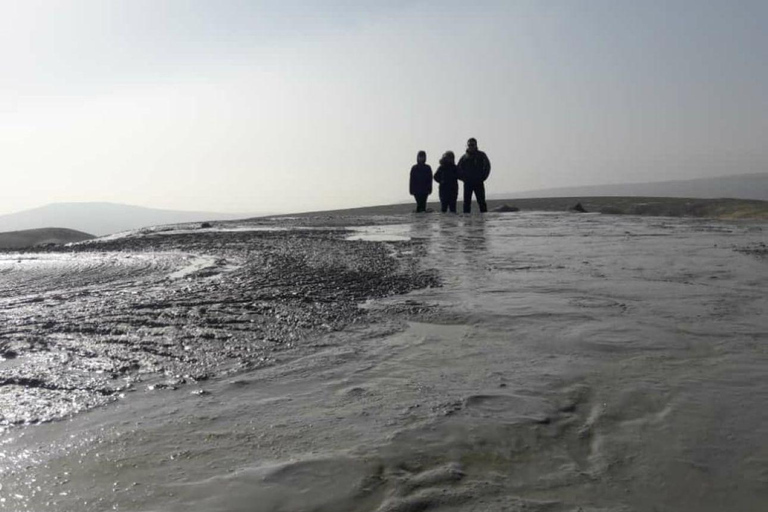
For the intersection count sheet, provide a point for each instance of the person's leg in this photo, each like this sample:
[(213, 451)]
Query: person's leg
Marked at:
[(443, 201), (480, 196), (421, 203), (467, 197), (454, 195)]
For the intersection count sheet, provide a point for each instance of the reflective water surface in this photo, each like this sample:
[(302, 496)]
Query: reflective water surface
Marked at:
[(565, 363)]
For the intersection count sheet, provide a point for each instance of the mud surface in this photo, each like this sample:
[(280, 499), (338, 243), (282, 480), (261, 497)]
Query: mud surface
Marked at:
[(82, 325), (516, 362)]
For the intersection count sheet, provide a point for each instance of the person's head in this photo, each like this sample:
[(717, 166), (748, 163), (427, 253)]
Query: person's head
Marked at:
[(472, 145), (421, 157), (448, 158)]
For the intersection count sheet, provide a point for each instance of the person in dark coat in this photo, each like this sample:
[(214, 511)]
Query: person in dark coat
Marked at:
[(474, 169), (447, 176), (421, 182)]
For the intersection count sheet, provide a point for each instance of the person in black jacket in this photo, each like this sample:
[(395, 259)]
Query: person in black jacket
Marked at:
[(421, 182), (474, 168), (447, 177)]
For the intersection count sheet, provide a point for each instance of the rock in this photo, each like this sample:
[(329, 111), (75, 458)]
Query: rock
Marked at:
[(578, 208), (8, 354), (206, 225), (506, 208)]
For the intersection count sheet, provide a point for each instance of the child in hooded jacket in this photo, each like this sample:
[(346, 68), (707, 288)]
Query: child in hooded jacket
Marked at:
[(421, 182), (447, 177)]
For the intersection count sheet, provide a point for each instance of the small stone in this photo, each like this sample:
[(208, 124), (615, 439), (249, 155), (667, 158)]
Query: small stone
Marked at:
[(578, 208)]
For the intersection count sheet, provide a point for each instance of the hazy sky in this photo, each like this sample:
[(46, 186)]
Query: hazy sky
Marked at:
[(249, 106)]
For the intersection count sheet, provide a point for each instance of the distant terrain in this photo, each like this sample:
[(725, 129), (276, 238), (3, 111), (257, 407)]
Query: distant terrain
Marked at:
[(35, 237), (742, 186), (102, 218), (652, 206), (741, 196)]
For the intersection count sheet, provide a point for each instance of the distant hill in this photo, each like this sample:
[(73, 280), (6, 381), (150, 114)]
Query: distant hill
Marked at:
[(34, 237), (742, 186), (102, 218)]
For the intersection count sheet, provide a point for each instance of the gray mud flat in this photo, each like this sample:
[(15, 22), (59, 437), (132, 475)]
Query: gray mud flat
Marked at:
[(537, 362)]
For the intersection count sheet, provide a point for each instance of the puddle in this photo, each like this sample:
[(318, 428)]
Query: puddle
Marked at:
[(392, 233)]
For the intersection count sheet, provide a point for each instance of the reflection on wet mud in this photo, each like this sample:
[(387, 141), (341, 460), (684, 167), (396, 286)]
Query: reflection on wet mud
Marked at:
[(381, 233)]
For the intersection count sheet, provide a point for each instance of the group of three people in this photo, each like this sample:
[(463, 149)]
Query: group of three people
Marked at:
[(473, 169)]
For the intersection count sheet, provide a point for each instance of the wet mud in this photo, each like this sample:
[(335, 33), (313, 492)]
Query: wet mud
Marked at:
[(516, 362), (82, 325)]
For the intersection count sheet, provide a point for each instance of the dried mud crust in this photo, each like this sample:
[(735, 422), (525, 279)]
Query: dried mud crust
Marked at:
[(81, 325)]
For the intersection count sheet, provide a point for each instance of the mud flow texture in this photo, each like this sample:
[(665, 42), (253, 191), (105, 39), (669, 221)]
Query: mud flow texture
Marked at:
[(81, 325)]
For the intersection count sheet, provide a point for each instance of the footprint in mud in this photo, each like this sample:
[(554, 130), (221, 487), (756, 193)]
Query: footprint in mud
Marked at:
[(601, 432), (331, 484), (426, 500), (355, 393), (426, 490), (325, 484), (638, 405), (631, 406), (597, 302), (498, 407), (508, 407)]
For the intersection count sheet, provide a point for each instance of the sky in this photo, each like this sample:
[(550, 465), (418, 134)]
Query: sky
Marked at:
[(299, 105)]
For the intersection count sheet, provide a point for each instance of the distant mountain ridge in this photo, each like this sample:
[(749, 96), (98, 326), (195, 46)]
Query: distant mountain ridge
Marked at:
[(103, 218), (742, 186)]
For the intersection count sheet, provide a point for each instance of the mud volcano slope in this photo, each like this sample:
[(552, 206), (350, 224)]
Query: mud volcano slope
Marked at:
[(565, 362), (82, 324), (32, 237), (627, 205)]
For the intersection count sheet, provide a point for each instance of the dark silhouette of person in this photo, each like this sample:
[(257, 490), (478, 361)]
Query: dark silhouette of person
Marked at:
[(474, 169), (447, 176), (421, 182)]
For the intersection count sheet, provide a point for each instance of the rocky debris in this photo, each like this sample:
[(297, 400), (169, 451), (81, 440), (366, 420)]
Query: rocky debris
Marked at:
[(758, 250), (577, 208), (506, 208), (7, 353), (119, 312)]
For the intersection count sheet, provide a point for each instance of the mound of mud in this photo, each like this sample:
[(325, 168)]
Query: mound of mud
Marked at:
[(44, 236)]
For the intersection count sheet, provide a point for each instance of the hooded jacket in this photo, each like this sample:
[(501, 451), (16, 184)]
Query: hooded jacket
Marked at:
[(447, 176), (421, 180), (474, 167)]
